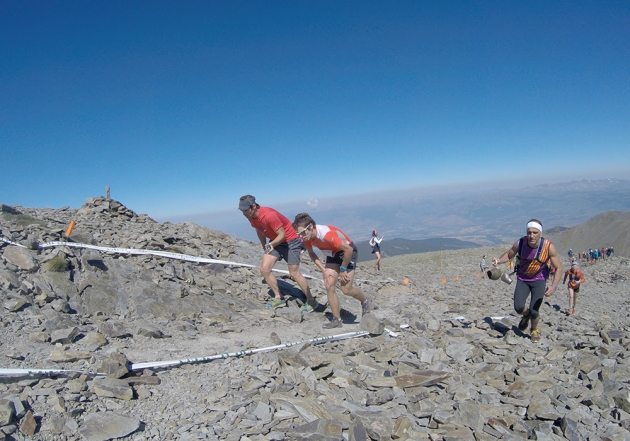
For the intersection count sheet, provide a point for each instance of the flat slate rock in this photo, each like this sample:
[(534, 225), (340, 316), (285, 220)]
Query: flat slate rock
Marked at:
[(103, 426)]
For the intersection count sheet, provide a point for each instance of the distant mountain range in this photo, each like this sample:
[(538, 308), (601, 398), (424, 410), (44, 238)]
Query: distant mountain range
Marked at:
[(604, 230), (399, 246), (485, 215)]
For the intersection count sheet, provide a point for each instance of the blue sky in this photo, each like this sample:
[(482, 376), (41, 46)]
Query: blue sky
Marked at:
[(182, 107)]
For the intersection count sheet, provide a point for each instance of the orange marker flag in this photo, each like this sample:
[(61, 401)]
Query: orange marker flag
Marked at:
[(443, 280), (406, 281), (70, 228)]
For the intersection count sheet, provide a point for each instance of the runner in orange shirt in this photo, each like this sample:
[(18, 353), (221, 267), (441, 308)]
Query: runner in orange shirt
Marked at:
[(283, 243), (576, 278), (341, 257)]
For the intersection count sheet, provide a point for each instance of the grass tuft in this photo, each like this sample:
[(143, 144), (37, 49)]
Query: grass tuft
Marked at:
[(22, 220), (58, 264)]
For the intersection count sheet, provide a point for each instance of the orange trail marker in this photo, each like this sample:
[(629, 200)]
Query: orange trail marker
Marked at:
[(456, 277), (70, 228), (406, 281), (443, 280)]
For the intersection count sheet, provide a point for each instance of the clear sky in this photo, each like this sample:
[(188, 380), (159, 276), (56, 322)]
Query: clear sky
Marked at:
[(182, 107)]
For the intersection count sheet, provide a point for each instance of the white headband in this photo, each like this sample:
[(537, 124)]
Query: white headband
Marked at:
[(534, 225)]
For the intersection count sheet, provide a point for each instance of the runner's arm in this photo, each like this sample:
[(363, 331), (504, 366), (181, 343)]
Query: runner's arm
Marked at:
[(347, 254), (261, 238), (555, 261), (315, 258), (505, 257), (281, 237)]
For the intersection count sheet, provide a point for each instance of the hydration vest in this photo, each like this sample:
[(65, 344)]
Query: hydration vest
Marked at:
[(541, 258)]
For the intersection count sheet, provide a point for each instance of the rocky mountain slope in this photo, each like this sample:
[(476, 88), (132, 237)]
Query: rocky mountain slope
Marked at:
[(604, 230), (457, 367)]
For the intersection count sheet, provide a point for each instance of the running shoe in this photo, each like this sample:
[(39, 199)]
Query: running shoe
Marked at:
[(366, 307), (309, 306), (275, 302), (334, 323), (524, 323), (535, 336)]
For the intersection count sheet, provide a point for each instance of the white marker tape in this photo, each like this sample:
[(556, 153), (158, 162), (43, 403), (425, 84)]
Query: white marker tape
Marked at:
[(4, 371), (178, 256), (160, 364), (461, 317), (167, 254), (12, 243), (391, 334), (137, 251), (379, 281)]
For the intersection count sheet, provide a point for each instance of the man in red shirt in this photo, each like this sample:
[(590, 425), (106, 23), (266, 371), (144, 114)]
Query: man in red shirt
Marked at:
[(283, 243), (576, 278), (341, 257)]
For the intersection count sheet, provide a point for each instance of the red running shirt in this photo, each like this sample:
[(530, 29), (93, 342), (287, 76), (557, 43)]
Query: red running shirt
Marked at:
[(268, 222)]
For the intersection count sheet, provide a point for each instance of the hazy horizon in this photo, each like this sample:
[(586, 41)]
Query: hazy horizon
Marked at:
[(350, 214)]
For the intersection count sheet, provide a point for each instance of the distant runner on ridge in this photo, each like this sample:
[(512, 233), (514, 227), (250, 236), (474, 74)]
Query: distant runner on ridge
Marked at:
[(482, 266), (283, 243), (534, 252), (375, 243)]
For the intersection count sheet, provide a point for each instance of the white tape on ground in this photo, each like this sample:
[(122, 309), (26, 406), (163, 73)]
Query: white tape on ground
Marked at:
[(168, 254), (461, 317), (171, 363), (318, 340), (162, 364), (379, 281), (391, 333), (6, 371), (135, 251), (12, 243)]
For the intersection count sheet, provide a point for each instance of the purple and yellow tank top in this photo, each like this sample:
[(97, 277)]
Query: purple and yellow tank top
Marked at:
[(530, 269)]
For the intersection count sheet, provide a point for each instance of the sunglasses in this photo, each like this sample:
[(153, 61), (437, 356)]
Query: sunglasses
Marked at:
[(303, 232)]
